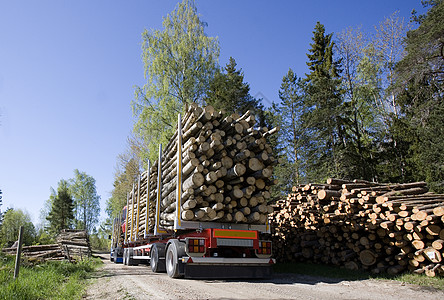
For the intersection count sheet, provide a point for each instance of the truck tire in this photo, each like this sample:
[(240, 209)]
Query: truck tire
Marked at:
[(157, 260), (111, 256), (130, 261), (174, 251), (125, 256)]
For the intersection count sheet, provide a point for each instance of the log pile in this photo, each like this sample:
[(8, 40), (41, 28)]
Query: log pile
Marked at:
[(74, 243), (227, 166), (71, 244), (362, 225), (38, 252)]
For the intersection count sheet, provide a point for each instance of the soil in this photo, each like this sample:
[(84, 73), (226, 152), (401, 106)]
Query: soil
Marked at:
[(116, 281)]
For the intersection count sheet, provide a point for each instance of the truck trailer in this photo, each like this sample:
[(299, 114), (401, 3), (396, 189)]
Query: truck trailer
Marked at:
[(200, 211)]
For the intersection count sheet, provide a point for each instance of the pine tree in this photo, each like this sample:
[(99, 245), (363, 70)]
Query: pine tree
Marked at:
[(62, 210)]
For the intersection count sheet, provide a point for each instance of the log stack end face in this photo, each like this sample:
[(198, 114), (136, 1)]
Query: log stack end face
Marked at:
[(389, 228), (226, 167)]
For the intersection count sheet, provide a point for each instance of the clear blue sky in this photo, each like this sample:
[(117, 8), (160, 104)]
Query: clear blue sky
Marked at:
[(68, 71)]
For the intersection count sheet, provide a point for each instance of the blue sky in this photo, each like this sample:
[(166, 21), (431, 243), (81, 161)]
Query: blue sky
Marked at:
[(68, 71)]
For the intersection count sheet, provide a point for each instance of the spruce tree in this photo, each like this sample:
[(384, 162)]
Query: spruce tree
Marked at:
[(229, 92), (62, 210), (323, 114)]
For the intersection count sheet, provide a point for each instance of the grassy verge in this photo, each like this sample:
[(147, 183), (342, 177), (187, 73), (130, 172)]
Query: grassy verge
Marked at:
[(51, 280), (344, 274)]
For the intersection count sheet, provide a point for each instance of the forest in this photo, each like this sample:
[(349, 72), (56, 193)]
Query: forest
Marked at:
[(370, 107)]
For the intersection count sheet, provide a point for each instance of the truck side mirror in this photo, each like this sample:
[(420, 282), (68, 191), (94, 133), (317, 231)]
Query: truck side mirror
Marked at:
[(109, 237)]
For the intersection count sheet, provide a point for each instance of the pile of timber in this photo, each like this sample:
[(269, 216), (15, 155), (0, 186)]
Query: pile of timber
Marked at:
[(74, 243), (38, 252), (71, 244), (227, 165), (362, 225)]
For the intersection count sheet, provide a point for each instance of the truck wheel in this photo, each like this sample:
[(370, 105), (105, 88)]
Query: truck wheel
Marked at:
[(130, 260), (111, 256), (175, 250), (157, 260), (125, 256)]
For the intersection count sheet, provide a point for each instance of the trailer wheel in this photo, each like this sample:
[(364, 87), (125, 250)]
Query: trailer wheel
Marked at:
[(130, 260), (125, 256), (175, 250), (157, 260)]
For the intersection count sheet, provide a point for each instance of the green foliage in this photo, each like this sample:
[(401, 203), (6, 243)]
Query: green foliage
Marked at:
[(51, 280), (230, 93), (290, 144), (179, 61), (323, 114), (61, 214), (86, 200), (13, 219), (420, 87), (99, 238)]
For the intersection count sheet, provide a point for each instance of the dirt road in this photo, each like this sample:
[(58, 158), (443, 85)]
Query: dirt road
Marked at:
[(115, 281)]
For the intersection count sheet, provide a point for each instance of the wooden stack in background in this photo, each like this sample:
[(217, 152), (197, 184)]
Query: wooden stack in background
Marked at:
[(227, 166), (38, 252), (362, 225), (74, 243), (71, 244)]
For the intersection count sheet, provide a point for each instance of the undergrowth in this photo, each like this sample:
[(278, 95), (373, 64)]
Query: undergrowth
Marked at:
[(50, 280)]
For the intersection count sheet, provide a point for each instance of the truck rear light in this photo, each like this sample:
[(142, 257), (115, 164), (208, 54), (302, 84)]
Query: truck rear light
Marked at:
[(195, 246), (264, 250)]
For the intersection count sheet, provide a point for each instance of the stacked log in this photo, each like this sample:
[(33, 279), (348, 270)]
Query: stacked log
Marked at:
[(226, 172), (362, 225), (74, 243), (38, 252)]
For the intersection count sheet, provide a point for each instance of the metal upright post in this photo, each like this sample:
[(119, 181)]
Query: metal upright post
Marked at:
[(177, 219), (132, 214), (138, 209), (147, 222), (159, 192), (126, 217)]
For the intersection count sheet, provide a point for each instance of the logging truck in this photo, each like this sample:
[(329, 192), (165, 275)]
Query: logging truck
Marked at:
[(200, 210)]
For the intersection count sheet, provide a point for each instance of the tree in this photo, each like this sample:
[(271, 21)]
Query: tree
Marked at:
[(179, 61), (86, 200), (229, 92), (420, 88), (61, 214), (1, 214), (129, 167), (322, 116), (389, 45), (291, 135), (13, 219)]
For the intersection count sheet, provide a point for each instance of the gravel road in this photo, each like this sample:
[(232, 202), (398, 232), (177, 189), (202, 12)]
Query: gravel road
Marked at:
[(115, 281)]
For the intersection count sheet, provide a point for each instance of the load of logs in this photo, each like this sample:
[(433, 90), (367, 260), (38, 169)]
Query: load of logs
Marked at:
[(226, 171), (71, 245), (362, 225)]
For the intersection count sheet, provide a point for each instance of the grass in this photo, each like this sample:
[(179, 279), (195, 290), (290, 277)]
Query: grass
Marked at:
[(344, 274), (50, 280)]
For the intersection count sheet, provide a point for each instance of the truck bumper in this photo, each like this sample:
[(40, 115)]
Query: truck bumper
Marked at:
[(227, 268)]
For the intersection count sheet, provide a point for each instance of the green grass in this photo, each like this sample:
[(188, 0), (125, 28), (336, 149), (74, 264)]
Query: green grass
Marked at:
[(344, 274), (51, 280)]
